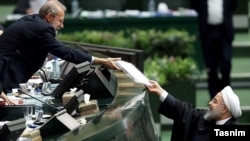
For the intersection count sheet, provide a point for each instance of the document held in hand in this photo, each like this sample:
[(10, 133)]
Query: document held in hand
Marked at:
[(130, 70)]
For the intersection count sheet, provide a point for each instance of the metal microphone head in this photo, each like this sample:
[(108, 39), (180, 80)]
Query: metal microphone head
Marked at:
[(26, 93), (43, 76)]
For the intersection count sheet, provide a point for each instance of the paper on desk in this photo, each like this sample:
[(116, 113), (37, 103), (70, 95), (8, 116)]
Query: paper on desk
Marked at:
[(35, 81), (130, 70), (2, 123)]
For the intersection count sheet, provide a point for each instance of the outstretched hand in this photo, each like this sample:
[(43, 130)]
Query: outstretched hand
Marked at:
[(107, 62), (155, 88)]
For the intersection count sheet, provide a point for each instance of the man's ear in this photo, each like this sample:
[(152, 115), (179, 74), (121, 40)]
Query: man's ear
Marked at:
[(49, 17), (225, 109)]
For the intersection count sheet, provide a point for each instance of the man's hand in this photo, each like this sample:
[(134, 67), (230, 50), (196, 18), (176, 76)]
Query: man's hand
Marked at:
[(6, 99), (155, 88), (107, 62)]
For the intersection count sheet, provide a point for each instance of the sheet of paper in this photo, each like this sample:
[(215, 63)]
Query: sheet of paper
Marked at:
[(35, 81), (134, 73)]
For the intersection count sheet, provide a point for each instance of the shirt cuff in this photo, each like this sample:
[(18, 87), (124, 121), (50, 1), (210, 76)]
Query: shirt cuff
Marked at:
[(92, 60), (163, 96)]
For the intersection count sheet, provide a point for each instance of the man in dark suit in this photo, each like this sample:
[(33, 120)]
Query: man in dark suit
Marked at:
[(23, 7), (217, 34), (26, 43), (193, 124)]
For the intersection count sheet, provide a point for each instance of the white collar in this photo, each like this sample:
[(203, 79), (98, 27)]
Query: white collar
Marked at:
[(221, 122)]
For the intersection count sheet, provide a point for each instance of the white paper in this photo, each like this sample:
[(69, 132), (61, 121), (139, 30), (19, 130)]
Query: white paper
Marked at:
[(35, 81), (135, 74)]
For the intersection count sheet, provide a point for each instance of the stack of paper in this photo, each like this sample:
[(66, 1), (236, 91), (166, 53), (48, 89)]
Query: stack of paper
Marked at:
[(135, 74)]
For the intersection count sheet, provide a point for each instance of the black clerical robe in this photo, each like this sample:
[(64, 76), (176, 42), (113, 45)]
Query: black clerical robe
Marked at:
[(189, 124)]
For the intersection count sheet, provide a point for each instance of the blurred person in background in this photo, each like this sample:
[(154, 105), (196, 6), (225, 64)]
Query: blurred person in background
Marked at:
[(25, 7), (217, 34)]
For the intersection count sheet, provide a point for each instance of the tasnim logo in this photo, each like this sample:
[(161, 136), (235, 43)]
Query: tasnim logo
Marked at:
[(234, 132), (238, 132)]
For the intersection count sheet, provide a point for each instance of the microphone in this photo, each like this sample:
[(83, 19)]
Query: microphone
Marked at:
[(20, 90), (43, 75)]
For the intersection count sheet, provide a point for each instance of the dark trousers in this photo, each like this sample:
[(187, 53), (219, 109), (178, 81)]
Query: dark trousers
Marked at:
[(217, 50)]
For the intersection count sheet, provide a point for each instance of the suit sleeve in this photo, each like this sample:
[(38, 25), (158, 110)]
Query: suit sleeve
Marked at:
[(174, 108), (50, 44)]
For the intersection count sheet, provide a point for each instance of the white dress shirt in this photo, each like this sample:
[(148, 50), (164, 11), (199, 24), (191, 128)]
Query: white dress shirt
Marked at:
[(221, 122), (215, 12), (163, 96)]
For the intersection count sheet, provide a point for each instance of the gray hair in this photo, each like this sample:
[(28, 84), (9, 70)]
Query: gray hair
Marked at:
[(51, 6)]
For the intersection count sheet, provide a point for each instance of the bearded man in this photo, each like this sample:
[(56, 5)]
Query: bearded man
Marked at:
[(193, 124)]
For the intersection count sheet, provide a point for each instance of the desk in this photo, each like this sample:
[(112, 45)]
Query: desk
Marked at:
[(128, 117)]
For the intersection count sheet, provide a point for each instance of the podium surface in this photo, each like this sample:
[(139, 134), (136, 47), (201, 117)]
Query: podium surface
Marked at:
[(128, 117)]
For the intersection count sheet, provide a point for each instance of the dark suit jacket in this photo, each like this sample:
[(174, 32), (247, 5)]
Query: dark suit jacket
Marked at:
[(228, 6), (24, 47), (188, 121)]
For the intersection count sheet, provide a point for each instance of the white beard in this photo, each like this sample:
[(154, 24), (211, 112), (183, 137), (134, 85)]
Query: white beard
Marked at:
[(212, 114)]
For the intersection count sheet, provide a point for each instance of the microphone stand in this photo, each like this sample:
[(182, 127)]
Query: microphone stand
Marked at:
[(39, 99)]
